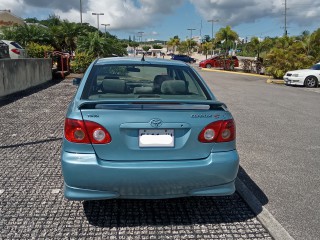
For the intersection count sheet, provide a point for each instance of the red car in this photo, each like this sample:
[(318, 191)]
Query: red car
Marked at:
[(220, 62)]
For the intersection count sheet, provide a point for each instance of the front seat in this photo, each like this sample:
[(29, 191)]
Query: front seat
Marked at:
[(157, 82)]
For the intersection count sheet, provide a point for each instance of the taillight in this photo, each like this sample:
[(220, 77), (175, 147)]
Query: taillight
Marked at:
[(220, 131), (15, 50), (79, 131)]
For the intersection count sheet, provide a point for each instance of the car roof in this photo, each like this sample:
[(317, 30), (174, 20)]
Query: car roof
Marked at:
[(137, 60)]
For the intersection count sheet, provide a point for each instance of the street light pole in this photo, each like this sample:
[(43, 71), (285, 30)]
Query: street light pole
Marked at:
[(190, 29), (212, 21), (81, 12), (105, 27), (98, 14), (140, 36)]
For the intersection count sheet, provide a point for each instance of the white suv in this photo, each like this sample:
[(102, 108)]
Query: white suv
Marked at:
[(15, 50)]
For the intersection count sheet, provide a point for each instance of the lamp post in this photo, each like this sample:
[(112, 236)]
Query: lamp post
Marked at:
[(190, 29), (81, 12), (105, 27), (98, 14), (140, 36), (212, 21)]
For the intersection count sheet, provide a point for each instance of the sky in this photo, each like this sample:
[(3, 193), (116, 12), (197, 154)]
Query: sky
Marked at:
[(164, 19)]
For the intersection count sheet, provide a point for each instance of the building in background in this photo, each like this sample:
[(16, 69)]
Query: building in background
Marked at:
[(8, 19)]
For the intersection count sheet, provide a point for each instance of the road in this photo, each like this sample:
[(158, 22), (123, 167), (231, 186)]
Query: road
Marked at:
[(278, 138)]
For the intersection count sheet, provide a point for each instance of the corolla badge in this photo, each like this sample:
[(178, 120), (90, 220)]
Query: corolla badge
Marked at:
[(156, 122)]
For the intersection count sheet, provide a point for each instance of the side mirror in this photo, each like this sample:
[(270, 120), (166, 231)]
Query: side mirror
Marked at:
[(76, 81)]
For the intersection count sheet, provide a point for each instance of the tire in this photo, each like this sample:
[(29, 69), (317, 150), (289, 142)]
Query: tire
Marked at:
[(208, 65), (311, 82)]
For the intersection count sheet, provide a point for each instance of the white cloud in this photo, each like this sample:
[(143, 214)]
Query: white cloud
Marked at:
[(248, 11), (133, 15)]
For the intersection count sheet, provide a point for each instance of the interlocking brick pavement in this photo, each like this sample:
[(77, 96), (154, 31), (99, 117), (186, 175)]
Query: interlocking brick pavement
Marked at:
[(32, 205)]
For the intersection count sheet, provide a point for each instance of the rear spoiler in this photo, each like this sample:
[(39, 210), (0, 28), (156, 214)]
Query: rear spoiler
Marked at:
[(153, 105)]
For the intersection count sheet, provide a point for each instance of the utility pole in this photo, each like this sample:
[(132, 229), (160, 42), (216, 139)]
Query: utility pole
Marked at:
[(285, 18), (212, 21)]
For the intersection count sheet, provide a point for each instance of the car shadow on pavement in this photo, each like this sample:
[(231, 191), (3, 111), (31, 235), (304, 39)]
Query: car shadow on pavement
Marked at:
[(178, 211), (252, 186)]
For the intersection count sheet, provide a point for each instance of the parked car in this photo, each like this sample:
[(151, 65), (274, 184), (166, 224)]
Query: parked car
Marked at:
[(220, 61), (146, 129), (184, 58), (305, 77), (4, 50), (15, 50)]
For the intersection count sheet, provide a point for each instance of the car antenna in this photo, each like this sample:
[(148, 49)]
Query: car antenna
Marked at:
[(142, 59)]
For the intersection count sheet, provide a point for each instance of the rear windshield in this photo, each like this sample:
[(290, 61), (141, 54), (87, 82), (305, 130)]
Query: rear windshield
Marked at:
[(16, 45), (143, 81)]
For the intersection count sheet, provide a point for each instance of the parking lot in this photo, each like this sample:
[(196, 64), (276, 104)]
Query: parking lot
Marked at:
[(32, 205)]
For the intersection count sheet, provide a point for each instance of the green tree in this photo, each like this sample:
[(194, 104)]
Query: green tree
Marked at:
[(36, 50), (134, 45), (156, 46), (174, 43), (287, 54), (146, 48), (206, 47), (92, 44), (228, 36)]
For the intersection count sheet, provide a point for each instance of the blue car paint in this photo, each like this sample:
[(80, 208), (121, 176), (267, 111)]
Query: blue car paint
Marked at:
[(91, 178), (91, 173)]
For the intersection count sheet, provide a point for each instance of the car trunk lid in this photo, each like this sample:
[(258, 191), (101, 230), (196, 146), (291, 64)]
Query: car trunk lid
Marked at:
[(144, 131)]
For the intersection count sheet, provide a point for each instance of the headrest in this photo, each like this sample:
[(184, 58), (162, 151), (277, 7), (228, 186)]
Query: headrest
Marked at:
[(174, 87), (114, 86)]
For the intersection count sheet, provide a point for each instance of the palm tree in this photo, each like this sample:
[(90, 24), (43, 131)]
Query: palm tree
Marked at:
[(206, 47), (92, 43), (227, 35), (174, 43)]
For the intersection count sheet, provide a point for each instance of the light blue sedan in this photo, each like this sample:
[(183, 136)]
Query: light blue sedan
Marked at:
[(147, 129)]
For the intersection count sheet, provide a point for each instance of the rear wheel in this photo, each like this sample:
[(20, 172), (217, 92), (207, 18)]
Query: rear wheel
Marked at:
[(311, 82), (208, 65)]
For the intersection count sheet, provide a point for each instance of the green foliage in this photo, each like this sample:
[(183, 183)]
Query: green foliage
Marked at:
[(98, 46), (206, 47), (146, 48), (227, 35), (81, 62), (24, 34), (134, 44), (36, 50), (174, 43), (187, 46), (287, 55), (156, 46)]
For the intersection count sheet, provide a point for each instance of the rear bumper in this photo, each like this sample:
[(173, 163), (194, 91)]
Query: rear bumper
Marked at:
[(89, 178)]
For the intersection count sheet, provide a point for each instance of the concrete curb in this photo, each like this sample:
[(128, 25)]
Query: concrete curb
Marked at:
[(275, 81), (263, 215), (232, 72)]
